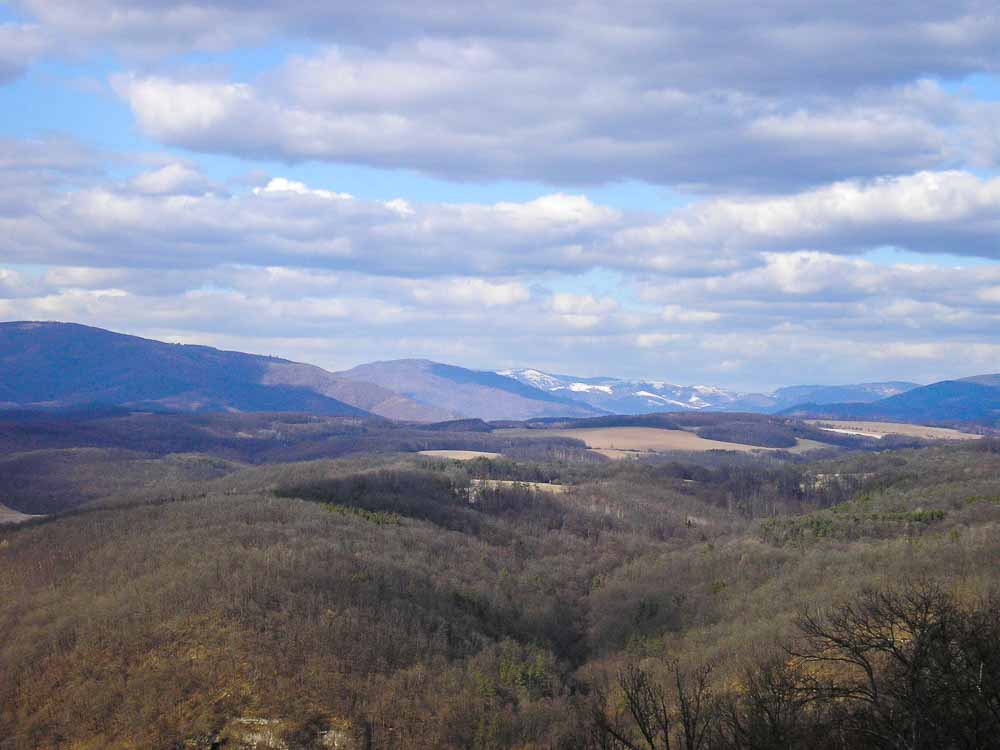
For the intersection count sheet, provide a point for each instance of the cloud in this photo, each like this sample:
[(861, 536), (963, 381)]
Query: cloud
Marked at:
[(173, 217), (172, 179), (705, 97), (51, 154), (780, 45), (20, 45), (834, 297), (468, 293), (282, 185), (949, 212), (57, 208), (677, 313), (425, 113)]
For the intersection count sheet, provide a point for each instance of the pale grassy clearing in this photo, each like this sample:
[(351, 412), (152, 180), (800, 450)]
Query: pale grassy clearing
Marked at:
[(626, 442), (803, 445), (555, 489), (460, 455), (7, 515), (880, 429)]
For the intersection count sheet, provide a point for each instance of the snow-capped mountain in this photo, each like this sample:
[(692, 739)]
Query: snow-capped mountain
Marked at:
[(623, 396), (627, 396)]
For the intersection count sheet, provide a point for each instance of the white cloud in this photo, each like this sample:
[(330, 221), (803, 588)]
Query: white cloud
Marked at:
[(174, 217), (939, 212), (657, 340), (172, 179), (550, 124), (469, 293), (282, 185), (688, 315)]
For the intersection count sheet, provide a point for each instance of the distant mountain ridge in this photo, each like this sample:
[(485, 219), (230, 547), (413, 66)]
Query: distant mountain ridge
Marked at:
[(66, 364), (861, 393), (621, 396), (71, 366), (975, 399)]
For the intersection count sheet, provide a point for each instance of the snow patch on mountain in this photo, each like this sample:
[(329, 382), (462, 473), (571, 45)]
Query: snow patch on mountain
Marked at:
[(584, 388), (623, 396), (626, 396)]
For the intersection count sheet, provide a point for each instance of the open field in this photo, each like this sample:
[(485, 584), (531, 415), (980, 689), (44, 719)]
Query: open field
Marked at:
[(555, 489), (460, 455), (12, 516), (625, 442), (881, 429)]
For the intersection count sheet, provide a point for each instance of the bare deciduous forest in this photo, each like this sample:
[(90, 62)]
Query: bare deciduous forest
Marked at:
[(340, 595)]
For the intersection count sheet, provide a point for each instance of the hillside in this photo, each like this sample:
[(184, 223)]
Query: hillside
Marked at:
[(379, 602), (53, 462), (974, 400), (64, 364), (622, 396), (468, 393)]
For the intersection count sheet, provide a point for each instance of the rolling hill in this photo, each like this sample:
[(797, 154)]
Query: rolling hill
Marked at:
[(66, 365), (468, 393)]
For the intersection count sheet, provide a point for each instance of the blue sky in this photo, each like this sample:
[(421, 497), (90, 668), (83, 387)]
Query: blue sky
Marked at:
[(675, 193)]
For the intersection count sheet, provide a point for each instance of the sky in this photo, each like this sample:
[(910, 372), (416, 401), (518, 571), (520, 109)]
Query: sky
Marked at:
[(739, 194)]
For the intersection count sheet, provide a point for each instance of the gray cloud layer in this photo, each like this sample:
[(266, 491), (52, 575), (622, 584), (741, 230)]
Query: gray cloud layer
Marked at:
[(764, 47), (703, 96)]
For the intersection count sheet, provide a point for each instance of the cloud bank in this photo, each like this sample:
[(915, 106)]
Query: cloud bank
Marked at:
[(800, 143)]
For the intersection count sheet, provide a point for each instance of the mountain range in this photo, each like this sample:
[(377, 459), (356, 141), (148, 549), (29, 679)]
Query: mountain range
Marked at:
[(45, 365), (468, 393), (66, 365), (621, 396)]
